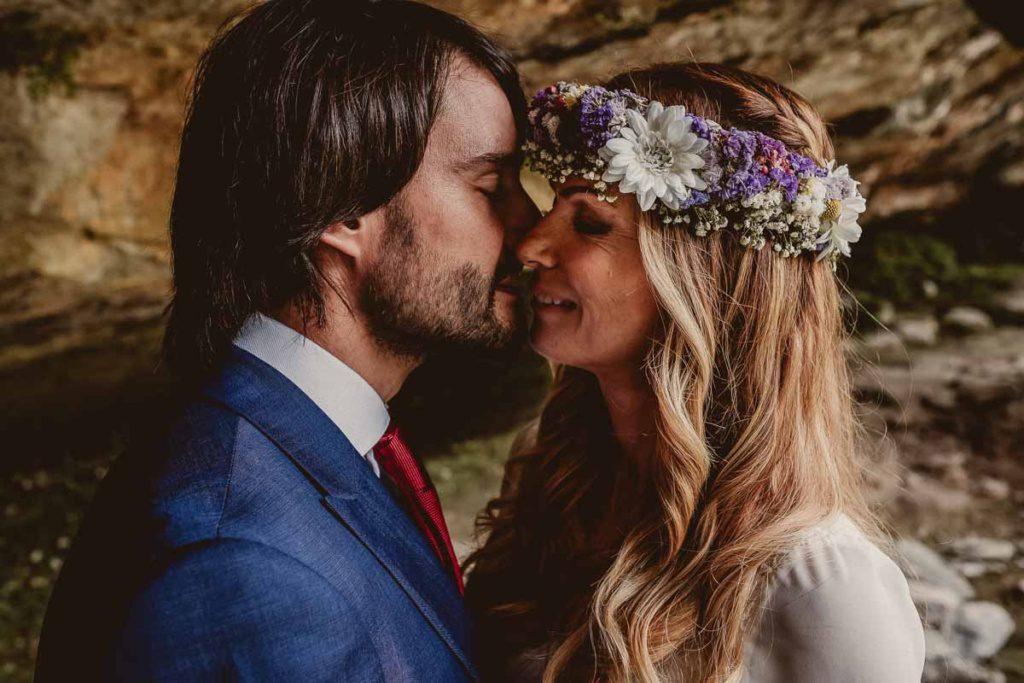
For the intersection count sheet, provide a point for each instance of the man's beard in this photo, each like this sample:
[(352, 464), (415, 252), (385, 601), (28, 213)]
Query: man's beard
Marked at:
[(416, 304)]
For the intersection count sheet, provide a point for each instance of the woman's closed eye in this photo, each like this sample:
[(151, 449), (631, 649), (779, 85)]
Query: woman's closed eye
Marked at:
[(586, 226)]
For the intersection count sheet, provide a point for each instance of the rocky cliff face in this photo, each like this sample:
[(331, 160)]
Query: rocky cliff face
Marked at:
[(927, 100)]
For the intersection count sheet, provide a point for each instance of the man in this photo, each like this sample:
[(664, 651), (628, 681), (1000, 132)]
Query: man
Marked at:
[(346, 196)]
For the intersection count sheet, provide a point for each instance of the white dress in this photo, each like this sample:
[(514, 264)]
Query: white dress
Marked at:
[(837, 611)]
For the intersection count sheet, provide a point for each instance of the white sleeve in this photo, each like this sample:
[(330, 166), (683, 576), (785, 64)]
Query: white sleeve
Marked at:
[(842, 613)]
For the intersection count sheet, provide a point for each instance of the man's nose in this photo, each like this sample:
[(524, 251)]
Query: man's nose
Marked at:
[(521, 215)]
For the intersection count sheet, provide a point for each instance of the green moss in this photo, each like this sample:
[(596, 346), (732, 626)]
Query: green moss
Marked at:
[(898, 266), (977, 283), (895, 267), (45, 54)]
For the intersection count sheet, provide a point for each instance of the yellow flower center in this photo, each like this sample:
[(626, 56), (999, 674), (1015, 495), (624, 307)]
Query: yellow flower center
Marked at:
[(833, 207)]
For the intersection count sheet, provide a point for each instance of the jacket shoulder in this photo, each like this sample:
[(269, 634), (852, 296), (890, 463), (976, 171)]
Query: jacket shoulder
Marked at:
[(246, 610), (175, 481)]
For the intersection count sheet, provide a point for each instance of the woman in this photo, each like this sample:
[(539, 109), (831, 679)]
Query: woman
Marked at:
[(688, 507)]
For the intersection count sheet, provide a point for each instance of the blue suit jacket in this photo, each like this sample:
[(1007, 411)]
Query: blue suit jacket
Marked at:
[(248, 540)]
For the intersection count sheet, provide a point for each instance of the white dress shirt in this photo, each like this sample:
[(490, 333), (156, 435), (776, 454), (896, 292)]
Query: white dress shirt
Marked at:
[(338, 390), (838, 609)]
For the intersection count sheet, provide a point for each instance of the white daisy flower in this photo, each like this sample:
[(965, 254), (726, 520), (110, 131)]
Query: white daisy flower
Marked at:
[(839, 223), (656, 157)]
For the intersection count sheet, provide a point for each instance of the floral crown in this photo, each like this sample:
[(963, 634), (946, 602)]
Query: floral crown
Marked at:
[(695, 171)]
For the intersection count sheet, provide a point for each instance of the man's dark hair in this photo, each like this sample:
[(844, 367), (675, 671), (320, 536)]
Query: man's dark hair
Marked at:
[(304, 113)]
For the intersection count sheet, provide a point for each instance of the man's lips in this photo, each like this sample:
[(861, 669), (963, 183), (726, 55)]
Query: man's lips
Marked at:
[(509, 287), (513, 283)]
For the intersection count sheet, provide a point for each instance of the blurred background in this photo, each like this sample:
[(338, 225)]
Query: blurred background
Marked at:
[(926, 100)]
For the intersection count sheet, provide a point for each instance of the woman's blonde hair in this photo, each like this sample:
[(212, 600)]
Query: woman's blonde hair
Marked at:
[(755, 444)]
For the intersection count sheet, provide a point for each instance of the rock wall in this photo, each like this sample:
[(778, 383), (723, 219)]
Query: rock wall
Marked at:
[(927, 101)]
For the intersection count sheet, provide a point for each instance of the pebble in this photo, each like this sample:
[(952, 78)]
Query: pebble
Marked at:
[(982, 548)]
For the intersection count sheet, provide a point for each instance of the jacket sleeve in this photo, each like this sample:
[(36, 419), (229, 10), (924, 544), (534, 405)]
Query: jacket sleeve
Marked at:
[(239, 610)]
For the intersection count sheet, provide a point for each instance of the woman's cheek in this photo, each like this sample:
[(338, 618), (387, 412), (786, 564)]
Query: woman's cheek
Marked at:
[(639, 313)]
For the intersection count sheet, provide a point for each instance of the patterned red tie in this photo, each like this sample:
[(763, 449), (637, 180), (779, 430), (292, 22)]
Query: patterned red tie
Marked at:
[(395, 458)]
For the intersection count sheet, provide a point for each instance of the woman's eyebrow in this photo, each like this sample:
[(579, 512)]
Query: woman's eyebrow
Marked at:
[(592, 198)]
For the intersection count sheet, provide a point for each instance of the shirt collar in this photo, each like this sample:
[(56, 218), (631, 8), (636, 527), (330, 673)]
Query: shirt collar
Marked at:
[(338, 390)]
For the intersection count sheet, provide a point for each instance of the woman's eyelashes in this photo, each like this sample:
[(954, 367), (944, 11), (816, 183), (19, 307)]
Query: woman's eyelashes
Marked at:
[(588, 226)]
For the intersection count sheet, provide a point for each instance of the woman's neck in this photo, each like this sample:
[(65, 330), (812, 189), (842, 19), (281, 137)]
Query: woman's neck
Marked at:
[(632, 409)]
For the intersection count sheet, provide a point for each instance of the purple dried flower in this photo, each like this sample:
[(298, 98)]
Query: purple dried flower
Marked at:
[(732, 146), (742, 173), (770, 148), (805, 167), (596, 116), (742, 184), (602, 114), (788, 183), (696, 198), (700, 127)]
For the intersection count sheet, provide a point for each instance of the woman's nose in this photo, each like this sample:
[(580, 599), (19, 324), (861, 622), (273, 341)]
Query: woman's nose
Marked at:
[(536, 249)]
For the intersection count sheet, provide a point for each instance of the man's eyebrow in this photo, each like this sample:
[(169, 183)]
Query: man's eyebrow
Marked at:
[(491, 160)]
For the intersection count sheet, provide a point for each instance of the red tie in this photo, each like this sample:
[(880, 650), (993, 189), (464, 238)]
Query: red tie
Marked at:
[(395, 458)]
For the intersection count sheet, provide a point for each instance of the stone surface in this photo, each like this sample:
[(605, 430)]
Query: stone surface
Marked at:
[(882, 346), (885, 313), (920, 563), (51, 140), (937, 645), (971, 569), (917, 330), (931, 494), (993, 488), (959, 632), (978, 548), (964, 395), (980, 629), (1009, 306), (959, 670), (966, 320), (937, 604), (943, 664), (944, 464)]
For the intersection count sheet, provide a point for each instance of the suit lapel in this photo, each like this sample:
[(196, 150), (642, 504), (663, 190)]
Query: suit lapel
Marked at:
[(350, 489)]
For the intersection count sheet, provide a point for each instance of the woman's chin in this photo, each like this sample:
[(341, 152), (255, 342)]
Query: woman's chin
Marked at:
[(555, 346)]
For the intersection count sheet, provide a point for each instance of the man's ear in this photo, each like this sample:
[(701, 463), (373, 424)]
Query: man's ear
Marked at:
[(353, 238)]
